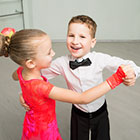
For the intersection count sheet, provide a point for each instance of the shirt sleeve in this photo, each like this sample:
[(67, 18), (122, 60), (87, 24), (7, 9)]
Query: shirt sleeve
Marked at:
[(55, 69), (112, 63)]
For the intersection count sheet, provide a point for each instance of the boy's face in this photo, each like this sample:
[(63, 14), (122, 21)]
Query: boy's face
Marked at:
[(79, 40)]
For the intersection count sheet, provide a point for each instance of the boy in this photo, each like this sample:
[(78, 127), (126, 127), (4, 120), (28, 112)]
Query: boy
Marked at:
[(80, 40)]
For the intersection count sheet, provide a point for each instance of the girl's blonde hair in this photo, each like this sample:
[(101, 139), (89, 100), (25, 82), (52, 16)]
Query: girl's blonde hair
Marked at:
[(21, 46)]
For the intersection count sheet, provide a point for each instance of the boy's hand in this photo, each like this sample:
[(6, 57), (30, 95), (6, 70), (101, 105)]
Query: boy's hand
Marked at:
[(15, 76), (22, 102), (130, 78)]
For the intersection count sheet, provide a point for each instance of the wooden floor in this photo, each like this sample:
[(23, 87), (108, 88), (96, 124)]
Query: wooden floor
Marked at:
[(123, 102)]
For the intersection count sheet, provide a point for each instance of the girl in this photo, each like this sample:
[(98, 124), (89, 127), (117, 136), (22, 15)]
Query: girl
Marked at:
[(32, 50)]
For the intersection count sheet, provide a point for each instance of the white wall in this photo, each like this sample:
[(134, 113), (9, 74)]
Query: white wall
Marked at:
[(116, 19), (11, 7)]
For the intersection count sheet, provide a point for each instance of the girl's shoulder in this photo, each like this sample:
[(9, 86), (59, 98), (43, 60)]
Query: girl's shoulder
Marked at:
[(41, 86)]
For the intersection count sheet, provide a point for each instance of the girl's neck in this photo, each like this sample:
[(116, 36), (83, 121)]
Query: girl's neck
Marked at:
[(29, 74)]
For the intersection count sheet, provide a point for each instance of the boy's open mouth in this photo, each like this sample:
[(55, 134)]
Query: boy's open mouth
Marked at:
[(75, 48)]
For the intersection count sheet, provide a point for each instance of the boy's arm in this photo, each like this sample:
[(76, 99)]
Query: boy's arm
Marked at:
[(22, 102), (21, 99), (15, 76), (56, 68), (112, 63)]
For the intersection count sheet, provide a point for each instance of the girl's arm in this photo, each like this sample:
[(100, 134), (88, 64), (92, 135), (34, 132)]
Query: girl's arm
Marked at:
[(69, 96), (88, 96), (66, 95)]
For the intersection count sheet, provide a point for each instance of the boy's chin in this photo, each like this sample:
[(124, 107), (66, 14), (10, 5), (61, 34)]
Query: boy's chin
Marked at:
[(77, 56)]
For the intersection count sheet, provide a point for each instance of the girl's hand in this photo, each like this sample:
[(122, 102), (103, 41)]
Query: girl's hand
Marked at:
[(22, 102)]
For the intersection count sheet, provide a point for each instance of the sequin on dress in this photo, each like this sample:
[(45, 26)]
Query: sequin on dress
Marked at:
[(40, 122)]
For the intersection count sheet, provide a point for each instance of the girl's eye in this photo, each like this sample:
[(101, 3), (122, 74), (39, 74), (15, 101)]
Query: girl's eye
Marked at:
[(49, 53)]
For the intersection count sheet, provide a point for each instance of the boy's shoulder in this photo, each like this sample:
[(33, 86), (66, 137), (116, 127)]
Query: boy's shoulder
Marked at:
[(61, 60), (64, 58), (98, 54)]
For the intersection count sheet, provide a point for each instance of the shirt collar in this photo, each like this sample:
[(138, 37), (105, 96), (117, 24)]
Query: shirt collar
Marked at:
[(80, 59)]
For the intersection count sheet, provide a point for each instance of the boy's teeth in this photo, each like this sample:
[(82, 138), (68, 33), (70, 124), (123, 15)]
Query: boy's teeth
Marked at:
[(75, 48)]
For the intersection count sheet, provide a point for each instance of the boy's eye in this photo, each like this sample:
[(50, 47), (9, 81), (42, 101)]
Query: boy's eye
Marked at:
[(82, 36), (70, 35)]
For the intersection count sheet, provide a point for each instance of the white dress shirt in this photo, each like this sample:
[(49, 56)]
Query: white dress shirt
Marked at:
[(85, 77)]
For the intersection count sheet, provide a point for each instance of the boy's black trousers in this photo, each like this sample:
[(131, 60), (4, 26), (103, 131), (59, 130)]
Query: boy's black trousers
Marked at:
[(96, 123)]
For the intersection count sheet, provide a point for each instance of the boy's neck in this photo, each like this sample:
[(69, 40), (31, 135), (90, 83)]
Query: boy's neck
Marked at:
[(81, 58)]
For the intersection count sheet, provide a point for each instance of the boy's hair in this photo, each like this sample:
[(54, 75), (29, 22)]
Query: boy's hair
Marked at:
[(83, 19), (21, 45)]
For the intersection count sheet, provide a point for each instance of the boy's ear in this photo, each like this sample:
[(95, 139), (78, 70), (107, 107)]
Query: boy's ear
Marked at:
[(93, 42), (30, 64)]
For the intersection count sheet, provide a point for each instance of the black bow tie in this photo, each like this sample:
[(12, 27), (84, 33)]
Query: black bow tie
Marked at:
[(75, 64)]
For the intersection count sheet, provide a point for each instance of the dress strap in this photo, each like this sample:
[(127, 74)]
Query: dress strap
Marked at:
[(19, 72)]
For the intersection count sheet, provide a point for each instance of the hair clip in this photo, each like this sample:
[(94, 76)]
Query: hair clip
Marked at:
[(8, 32)]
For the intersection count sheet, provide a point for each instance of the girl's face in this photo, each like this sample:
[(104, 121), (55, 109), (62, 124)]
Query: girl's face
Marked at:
[(79, 40), (44, 54)]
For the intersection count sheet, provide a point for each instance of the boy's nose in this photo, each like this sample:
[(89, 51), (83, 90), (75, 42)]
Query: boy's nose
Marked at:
[(75, 40)]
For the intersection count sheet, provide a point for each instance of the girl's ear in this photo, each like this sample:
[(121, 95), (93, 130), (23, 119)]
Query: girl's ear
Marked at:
[(93, 42), (30, 64)]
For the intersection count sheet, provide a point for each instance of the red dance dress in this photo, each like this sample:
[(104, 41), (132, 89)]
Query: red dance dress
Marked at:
[(40, 122)]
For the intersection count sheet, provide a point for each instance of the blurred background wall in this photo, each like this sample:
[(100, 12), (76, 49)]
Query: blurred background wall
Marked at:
[(117, 20)]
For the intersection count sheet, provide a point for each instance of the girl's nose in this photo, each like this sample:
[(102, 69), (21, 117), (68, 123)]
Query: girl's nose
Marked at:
[(53, 53)]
